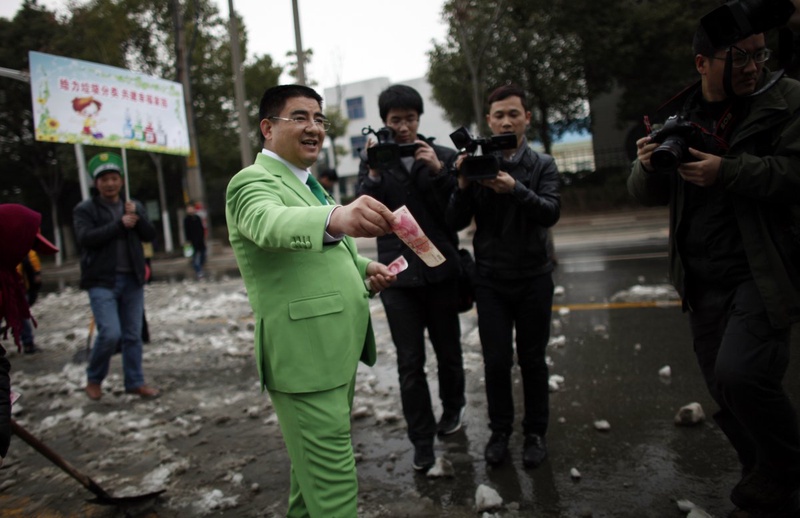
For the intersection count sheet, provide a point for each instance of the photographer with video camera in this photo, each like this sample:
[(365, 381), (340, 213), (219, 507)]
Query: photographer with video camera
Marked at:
[(513, 278), (406, 169), (735, 251)]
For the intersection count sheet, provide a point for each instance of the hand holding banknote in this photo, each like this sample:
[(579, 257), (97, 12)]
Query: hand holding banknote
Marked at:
[(379, 276), (363, 217)]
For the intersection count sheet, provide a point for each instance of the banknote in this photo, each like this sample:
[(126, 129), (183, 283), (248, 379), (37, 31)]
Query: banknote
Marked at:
[(409, 231), (398, 265)]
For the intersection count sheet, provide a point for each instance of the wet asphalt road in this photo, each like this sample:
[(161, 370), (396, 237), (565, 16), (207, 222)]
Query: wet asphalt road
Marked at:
[(610, 361), (609, 357)]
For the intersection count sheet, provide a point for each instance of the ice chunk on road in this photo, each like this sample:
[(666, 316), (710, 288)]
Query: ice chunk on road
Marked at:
[(602, 425), (442, 468), (487, 499), (690, 414)]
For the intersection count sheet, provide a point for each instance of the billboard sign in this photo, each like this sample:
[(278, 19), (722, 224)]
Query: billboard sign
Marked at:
[(79, 102)]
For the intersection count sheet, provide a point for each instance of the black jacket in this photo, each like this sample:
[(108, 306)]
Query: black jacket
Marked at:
[(510, 240), (195, 232), (96, 230), (761, 174), (425, 193)]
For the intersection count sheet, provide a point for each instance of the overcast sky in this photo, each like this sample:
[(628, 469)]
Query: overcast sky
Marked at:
[(352, 40)]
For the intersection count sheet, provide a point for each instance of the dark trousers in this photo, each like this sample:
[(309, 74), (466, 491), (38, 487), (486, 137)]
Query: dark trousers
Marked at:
[(743, 360), (503, 305), (410, 311)]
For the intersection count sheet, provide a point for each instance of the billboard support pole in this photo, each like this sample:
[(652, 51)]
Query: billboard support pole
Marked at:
[(125, 175)]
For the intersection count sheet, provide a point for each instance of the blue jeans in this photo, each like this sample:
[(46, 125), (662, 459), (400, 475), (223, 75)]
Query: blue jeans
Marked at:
[(118, 317), (198, 260)]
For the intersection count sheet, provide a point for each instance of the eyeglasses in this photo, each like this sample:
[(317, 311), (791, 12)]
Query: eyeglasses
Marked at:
[(741, 58), (323, 124), (397, 123)]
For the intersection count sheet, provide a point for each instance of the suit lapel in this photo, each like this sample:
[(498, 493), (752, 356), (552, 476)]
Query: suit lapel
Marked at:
[(288, 178)]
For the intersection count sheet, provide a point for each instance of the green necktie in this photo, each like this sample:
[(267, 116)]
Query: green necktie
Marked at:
[(316, 189)]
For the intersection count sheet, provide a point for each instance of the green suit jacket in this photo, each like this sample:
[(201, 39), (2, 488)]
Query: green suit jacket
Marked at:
[(309, 299)]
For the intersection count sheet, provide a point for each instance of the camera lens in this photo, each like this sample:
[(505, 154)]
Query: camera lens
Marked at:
[(669, 154)]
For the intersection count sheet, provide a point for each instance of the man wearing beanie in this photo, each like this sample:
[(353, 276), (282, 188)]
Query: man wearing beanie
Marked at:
[(110, 231)]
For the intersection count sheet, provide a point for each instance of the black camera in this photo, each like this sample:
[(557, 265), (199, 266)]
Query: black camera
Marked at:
[(738, 19), (387, 153), (484, 165), (675, 137)]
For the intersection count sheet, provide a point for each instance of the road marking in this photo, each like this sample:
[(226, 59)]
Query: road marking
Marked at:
[(624, 257), (589, 306)]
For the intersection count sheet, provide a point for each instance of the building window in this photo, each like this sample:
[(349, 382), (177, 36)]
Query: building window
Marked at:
[(355, 108), (357, 144)]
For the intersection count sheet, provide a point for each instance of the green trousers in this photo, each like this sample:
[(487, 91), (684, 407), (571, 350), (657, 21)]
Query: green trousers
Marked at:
[(316, 430)]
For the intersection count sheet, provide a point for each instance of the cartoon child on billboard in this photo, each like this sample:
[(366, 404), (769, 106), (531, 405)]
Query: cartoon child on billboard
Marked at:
[(88, 107)]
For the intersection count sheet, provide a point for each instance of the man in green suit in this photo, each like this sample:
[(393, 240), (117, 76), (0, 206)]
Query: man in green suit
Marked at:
[(310, 291)]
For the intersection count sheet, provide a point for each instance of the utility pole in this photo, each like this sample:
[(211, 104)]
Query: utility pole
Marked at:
[(236, 60), (194, 178), (301, 57)]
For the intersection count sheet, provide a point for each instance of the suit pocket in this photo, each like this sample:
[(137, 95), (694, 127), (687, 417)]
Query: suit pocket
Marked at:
[(316, 306)]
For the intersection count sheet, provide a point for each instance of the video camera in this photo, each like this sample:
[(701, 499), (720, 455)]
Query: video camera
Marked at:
[(386, 153), (738, 19), (675, 137), (484, 165)]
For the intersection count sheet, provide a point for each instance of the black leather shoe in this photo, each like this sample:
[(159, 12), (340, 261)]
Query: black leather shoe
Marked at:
[(497, 448), (424, 459), (534, 450), (451, 421)]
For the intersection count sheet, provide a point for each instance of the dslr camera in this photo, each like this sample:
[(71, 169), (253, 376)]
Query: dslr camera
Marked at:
[(386, 153), (485, 165), (738, 19), (675, 138)]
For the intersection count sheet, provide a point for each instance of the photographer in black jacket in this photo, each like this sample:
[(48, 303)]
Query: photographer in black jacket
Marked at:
[(513, 279), (422, 297), (734, 255)]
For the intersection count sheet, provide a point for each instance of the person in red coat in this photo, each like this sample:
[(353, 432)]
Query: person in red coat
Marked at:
[(19, 233)]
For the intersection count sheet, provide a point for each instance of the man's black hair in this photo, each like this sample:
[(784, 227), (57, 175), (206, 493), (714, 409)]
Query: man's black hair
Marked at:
[(400, 97), (274, 99), (506, 91), (330, 173)]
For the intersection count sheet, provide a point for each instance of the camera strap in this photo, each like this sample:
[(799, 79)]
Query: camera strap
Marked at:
[(725, 120)]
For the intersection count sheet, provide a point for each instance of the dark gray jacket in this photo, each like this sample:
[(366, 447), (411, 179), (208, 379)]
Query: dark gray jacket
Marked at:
[(761, 173), (96, 231)]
